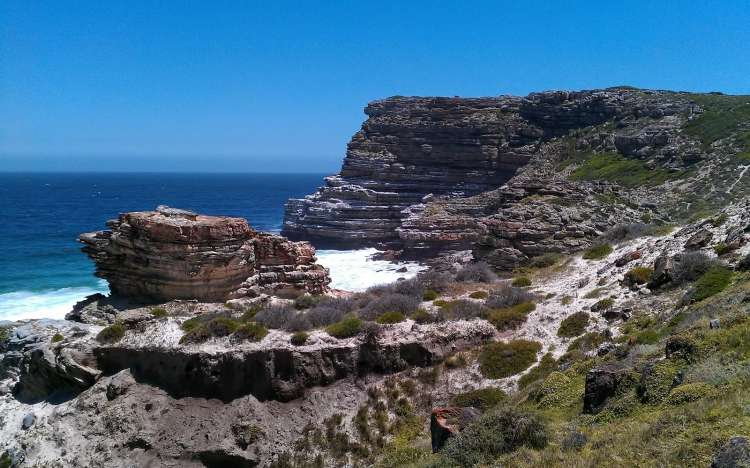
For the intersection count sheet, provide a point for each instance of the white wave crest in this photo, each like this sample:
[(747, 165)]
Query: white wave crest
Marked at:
[(355, 270), (21, 305)]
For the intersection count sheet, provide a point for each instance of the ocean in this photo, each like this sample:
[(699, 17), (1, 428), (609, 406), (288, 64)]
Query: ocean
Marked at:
[(43, 272)]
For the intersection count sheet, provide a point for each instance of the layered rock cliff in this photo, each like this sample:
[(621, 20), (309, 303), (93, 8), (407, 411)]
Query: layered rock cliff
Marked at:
[(175, 254), (512, 178)]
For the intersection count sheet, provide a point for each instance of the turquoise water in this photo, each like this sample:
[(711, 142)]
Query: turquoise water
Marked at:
[(43, 272)]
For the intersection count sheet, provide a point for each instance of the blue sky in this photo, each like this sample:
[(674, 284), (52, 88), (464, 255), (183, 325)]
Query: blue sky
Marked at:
[(280, 86)]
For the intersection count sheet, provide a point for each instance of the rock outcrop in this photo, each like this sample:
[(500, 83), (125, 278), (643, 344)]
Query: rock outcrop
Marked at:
[(175, 254)]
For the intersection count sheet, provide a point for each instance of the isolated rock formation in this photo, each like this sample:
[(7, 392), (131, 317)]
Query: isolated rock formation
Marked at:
[(175, 254)]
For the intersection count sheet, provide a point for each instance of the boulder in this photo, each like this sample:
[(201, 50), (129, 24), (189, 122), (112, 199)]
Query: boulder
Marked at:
[(601, 383), (627, 258), (699, 239), (663, 270), (447, 422), (734, 454)]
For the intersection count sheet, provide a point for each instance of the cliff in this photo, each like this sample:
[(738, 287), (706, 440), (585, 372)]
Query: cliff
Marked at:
[(175, 254), (516, 177)]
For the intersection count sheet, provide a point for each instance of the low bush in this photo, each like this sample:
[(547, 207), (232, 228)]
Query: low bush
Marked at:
[(391, 302), (299, 338), (597, 252), (421, 316), (624, 232), (440, 303), (455, 361), (346, 328), (483, 398), (412, 287), (276, 316), (57, 337), (689, 266), (250, 331), (430, 295), (479, 295), (323, 315), (649, 336), (545, 367), (574, 325), (436, 280), (744, 264), (721, 248), (521, 282), (507, 319), (545, 260), (479, 272), (594, 293), (249, 313), (4, 334), (112, 333), (390, 318), (566, 300), (719, 220), (498, 431), (159, 312), (463, 309), (507, 296), (603, 304), (500, 359), (215, 328), (305, 301), (686, 393), (712, 282), (639, 275)]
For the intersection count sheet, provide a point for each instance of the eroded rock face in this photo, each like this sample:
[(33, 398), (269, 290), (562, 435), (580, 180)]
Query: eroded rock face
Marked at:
[(447, 422), (409, 170), (175, 254)]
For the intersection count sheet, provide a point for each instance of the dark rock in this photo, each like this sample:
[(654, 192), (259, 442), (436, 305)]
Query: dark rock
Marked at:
[(627, 258), (601, 383), (402, 270), (605, 349), (663, 271), (734, 454), (617, 314), (714, 324), (699, 239), (447, 422), (678, 345), (28, 421)]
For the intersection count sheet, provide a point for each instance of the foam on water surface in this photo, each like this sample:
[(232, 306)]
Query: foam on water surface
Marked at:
[(355, 270), (20, 305)]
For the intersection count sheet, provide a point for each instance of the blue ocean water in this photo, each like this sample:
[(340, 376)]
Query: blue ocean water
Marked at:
[(43, 272)]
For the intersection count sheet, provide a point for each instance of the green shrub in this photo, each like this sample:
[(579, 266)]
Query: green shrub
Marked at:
[(639, 275), (4, 334), (299, 338), (545, 367), (507, 319), (440, 303), (250, 331), (521, 282), (389, 318), (215, 328), (722, 116), (498, 431), (721, 248), (483, 398), (603, 305), (573, 325), (649, 336), (597, 252), (456, 361), (715, 280), (545, 260), (560, 389), (594, 293), (430, 295), (250, 313), (566, 300), (499, 360), (192, 323), (57, 337), (112, 333), (421, 316), (305, 301), (345, 328), (159, 312), (689, 392), (479, 295), (719, 220)]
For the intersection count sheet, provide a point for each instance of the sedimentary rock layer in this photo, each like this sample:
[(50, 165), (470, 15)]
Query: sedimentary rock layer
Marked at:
[(175, 254)]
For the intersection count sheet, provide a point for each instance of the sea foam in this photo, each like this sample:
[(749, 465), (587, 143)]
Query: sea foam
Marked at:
[(20, 305), (355, 270)]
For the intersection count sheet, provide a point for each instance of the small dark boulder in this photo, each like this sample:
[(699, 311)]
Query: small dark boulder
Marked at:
[(714, 324), (28, 421), (601, 383), (447, 422), (627, 258), (699, 239), (734, 454), (663, 272)]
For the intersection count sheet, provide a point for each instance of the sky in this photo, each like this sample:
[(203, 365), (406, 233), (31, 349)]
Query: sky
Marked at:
[(280, 86)]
